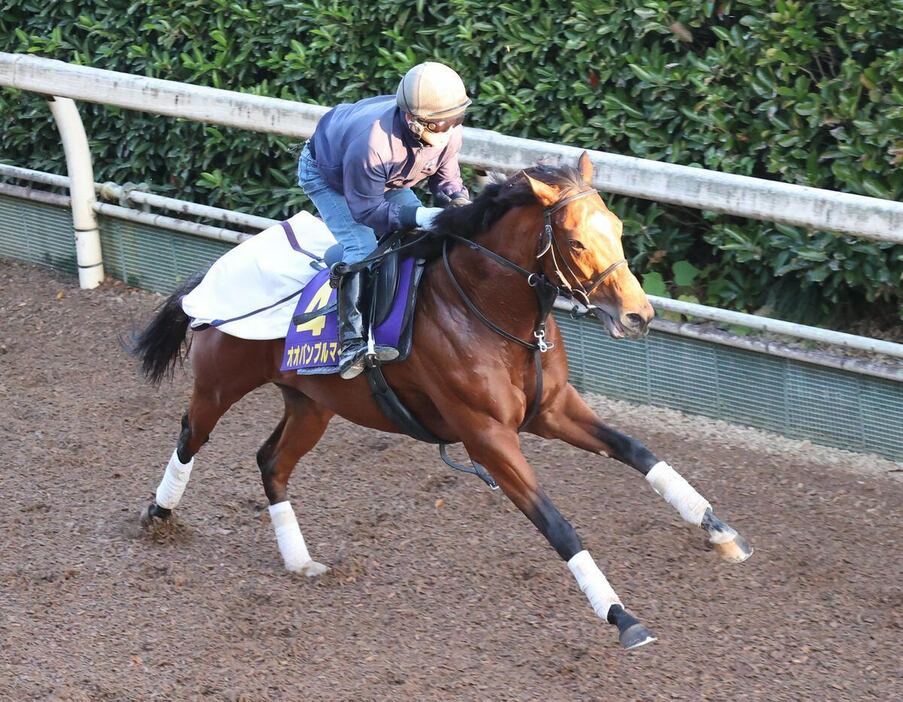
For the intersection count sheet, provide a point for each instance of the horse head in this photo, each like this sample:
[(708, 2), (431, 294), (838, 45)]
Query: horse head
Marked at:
[(581, 249)]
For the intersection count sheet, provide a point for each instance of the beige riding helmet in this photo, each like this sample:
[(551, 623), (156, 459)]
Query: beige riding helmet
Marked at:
[(432, 90)]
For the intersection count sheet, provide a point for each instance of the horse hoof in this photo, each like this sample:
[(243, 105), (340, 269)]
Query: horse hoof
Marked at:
[(635, 636), (153, 514), (736, 550), (146, 519), (311, 569)]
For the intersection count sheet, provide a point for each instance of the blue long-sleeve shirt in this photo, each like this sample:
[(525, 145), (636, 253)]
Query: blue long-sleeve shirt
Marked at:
[(364, 149)]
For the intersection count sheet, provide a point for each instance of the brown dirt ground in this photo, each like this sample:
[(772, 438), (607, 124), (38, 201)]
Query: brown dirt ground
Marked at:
[(438, 588)]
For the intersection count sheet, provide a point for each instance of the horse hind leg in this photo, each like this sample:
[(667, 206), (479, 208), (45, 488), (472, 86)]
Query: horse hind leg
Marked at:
[(299, 431), (197, 424)]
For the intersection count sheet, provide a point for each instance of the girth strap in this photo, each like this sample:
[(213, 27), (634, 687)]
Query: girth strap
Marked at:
[(392, 407)]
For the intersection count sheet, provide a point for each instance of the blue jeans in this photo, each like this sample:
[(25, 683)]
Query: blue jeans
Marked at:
[(357, 239)]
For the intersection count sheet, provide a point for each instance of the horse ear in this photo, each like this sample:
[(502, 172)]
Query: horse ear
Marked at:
[(586, 168), (545, 193)]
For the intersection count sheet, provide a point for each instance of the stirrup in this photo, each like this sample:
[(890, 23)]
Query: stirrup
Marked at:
[(356, 366), (384, 354), (380, 352)]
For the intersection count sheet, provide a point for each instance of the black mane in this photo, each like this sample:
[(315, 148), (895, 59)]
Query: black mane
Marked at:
[(493, 202)]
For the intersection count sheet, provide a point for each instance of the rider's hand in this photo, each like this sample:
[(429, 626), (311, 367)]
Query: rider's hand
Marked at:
[(459, 202), (425, 216)]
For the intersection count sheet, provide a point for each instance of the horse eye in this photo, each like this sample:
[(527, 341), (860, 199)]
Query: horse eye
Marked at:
[(576, 245)]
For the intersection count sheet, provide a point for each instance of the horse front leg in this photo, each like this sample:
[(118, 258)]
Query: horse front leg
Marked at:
[(572, 421), (498, 449)]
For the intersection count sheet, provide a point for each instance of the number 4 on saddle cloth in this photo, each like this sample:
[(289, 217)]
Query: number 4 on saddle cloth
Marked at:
[(312, 343), (259, 289)]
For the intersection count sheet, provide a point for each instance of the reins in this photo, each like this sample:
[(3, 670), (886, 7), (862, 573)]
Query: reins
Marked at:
[(546, 291)]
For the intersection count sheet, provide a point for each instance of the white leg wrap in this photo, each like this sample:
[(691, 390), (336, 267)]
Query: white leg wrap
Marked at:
[(593, 583), (678, 493), (288, 536), (171, 488)]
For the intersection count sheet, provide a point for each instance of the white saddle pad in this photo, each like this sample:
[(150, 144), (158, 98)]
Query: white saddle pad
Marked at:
[(263, 275)]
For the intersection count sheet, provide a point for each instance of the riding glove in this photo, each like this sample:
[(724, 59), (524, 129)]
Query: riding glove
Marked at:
[(425, 216)]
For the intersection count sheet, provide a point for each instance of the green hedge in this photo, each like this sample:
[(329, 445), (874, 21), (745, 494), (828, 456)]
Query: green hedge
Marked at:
[(804, 92)]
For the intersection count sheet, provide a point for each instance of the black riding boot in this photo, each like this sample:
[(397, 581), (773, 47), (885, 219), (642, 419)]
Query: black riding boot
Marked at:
[(352, 329), (351, 326)]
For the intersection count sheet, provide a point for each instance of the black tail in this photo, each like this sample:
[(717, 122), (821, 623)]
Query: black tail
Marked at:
[(159, 346)]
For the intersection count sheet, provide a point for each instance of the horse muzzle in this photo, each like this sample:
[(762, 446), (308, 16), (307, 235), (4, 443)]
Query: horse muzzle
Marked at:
[(630, 325)]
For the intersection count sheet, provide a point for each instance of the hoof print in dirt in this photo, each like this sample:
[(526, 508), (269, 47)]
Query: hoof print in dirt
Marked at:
[(161, 530)]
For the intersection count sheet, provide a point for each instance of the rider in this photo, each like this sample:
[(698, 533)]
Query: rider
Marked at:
[(359, 166)]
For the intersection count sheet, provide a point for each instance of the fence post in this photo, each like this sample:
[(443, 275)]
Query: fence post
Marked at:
[(81, 191)]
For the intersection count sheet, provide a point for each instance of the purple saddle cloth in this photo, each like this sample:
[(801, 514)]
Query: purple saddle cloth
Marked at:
[(312, 347)]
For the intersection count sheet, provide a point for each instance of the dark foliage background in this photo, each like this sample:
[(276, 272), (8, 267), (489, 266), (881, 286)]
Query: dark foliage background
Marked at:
[(806, 92)]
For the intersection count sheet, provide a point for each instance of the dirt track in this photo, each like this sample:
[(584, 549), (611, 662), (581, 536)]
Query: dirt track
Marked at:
[(438, 589)]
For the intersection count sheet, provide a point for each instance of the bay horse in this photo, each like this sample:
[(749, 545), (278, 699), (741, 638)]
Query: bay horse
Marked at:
[(470, 377)]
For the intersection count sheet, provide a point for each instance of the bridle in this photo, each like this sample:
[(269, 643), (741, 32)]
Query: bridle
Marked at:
[(546, 290), (548, 245)]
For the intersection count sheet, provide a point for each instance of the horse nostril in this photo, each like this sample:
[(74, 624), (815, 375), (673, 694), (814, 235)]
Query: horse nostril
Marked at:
[(635, 320)]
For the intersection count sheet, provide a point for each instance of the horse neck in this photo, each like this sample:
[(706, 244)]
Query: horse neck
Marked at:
[(515, 237), (494, 287)]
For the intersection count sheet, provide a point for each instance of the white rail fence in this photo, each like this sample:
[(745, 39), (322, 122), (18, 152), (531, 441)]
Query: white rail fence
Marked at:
[(855, 215), (868, 217)]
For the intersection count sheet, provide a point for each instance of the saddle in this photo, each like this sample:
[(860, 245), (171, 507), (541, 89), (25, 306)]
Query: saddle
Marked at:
[(389, 300), (385, 283)]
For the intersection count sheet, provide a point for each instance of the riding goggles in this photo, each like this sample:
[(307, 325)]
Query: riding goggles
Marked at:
[(438, 126)]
